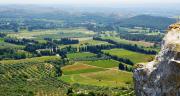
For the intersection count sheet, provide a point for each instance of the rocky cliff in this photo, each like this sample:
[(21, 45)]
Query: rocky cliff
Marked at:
[(161, 77)]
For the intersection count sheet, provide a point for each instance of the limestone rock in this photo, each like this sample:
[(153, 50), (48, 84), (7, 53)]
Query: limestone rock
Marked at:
[(161, 77)]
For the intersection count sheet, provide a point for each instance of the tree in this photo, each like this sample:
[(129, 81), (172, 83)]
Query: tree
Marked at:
[(70, 91), (121, 66)]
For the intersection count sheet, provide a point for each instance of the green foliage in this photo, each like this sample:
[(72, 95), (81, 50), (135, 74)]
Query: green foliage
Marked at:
[(95, 72), (121, 66), (30, 76), (10, 53)]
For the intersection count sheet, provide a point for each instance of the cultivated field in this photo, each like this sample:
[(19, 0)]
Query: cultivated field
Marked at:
[(97, 73), (9, 45), (103, 63), (54, 33), (133, 56), (80, 55), (78, 68), (123, 41), (31, 60), (87, 42), (28, 77)]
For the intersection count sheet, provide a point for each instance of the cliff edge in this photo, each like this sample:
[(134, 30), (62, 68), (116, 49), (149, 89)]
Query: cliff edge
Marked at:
[(161, 77)]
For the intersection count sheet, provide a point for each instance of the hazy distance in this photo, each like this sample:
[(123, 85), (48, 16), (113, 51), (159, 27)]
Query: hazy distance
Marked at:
[(95, 2)]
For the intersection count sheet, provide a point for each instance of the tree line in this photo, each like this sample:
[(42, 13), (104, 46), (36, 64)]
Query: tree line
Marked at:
[(2, 35), (12, 53), (140, 37), (127, 46), (125, 67), (19, 41), (66, 41), (124, 60)]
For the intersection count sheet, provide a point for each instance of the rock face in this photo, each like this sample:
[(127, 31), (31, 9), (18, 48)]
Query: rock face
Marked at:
[(161, 77)]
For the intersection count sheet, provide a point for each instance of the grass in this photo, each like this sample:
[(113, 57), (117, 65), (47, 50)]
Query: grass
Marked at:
[(111, 78), (1, 40), (87, 42), (100, 73), (123, 41), (9, 45), (53, 33), (111, 75), (78, 68), (80, 55), (133, 56), (93, 42), (63, 35), (103, 63), (135, 30), (35, 59), (83, 71)]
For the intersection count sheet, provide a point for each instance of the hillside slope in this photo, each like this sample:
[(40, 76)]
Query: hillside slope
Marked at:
[(161, 77), (147, 21), (31, 77)]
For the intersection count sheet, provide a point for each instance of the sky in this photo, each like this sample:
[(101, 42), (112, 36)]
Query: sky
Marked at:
[(90, 2)]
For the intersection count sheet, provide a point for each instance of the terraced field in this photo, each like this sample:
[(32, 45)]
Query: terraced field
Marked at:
[(133, 56)]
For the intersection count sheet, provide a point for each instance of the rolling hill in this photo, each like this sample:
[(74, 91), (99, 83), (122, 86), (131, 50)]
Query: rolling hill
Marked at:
[(155, 22)]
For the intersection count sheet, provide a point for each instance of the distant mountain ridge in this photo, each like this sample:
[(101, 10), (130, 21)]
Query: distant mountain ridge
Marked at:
[(149, 21)]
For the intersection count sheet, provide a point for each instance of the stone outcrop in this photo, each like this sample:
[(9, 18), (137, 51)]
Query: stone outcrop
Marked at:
[(161, 77)]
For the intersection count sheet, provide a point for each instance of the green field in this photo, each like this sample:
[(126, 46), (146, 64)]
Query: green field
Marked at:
[(53, 33), (80, 55), (1, 40), (63, 35), (96, 74), (78, 68), (111, 78), (103, 63), (137, 30), (31, 60), (123, 41), (133, 56), (93, 42), (87, 42), (9, 45)]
